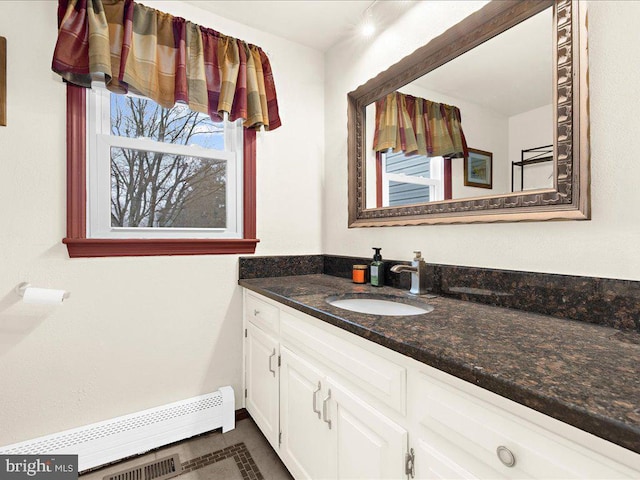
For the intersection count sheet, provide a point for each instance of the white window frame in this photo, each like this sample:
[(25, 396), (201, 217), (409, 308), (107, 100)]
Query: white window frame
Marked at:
[(99, 143), (435, 182)]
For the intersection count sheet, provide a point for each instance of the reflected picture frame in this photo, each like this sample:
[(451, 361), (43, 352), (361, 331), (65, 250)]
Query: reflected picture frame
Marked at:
[(478, 169)]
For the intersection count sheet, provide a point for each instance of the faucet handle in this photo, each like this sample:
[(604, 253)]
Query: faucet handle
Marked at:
[(418, 254)]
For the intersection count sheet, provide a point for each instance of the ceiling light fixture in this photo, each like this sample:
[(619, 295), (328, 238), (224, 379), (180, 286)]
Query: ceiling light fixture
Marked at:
[(368, 26)]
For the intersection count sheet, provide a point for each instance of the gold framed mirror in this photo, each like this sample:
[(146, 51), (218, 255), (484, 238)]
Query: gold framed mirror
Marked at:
[(566, 194)]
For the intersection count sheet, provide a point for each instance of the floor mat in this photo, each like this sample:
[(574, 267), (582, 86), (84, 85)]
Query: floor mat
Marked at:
[(239, 454), (220, 464)]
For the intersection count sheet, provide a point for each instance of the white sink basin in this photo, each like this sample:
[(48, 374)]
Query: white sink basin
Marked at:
[(376, 306)]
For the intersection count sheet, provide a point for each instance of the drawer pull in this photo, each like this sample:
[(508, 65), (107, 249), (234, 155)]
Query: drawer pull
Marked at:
[(506, 456), (325, 409), (256, 313), (315, 406), (270, 357)]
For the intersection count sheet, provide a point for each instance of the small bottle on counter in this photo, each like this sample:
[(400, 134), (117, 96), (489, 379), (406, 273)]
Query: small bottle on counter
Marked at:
[(377, 269), (359, 274)]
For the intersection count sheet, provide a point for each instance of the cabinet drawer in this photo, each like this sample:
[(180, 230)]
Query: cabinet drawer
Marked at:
[(382, 379), (261, 313), (470, 431)]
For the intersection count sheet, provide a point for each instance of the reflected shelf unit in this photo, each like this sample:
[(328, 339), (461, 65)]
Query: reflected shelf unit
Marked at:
[(530, 156)]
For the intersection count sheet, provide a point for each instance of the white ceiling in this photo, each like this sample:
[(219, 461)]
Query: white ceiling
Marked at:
[(319, 24), (509, 74)]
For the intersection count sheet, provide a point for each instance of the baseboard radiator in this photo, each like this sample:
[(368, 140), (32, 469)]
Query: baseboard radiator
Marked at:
[(105, 442)]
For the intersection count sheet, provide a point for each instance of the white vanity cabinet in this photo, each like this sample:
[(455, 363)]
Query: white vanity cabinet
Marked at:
[(462, 431), (324, 427), (368, 444), (307, 441), (261, 372), (339, 406), (329, 432)]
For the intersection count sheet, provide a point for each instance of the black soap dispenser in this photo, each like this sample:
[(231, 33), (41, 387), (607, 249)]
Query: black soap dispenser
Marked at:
[(376, 269)]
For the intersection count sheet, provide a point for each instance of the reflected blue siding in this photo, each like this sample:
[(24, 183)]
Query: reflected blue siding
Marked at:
[(413, 165)]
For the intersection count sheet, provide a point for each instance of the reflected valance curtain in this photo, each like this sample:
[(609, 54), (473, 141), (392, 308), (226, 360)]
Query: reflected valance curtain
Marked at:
[(415, 125), (165, 58)]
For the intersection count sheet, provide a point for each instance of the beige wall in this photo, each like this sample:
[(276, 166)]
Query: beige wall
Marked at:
[(531, 129), (605, 246), (136, 332)]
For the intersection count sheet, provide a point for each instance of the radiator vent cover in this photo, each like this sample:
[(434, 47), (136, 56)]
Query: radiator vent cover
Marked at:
[(161, 469), (115, 427), (112, 440)]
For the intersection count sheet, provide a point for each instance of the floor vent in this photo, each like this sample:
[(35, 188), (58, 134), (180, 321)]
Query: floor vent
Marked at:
[(106, 442), (161, 469)]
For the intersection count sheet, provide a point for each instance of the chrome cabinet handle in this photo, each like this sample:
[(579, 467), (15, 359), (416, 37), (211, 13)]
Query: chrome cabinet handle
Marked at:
[(270, 357), (410, 464), (315, 406), (256, 313), (506, 456), (325, 409)]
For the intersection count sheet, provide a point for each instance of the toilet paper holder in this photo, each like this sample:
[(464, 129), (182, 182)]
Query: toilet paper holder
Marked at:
[(22, 287)]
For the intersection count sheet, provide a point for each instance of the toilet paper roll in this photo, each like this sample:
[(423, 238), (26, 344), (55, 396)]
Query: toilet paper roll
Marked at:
[(43, 296)]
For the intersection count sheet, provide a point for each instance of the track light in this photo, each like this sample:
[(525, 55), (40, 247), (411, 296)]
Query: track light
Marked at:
[(368, 26)]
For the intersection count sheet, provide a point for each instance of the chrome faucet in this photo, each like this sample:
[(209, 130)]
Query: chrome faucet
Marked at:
[(418, 270)]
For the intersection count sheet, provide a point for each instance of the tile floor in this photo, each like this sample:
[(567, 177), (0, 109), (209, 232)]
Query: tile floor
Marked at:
[(245, 432)]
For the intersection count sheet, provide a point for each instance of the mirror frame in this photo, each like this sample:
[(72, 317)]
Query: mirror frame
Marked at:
[(568, 200)]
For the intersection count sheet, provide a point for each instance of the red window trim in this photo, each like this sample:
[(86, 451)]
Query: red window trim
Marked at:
[(447, 178), (78, 245), (378, 179)]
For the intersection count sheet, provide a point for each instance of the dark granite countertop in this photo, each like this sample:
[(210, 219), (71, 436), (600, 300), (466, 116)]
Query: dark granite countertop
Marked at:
[(585, 375)]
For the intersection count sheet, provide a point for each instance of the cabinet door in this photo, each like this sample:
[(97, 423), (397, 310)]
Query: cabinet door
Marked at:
[(307, 448), (262, 378), (369, 445), (439, 452)]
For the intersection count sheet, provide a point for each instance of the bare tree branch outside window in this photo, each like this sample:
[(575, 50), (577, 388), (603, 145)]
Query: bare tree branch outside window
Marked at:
[(151, 189)]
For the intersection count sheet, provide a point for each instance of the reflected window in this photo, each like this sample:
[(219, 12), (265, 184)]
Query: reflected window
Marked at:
[(411, 179)]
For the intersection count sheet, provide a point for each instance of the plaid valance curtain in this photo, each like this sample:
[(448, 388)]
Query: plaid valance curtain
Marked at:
[(164, 58), (415, 125)]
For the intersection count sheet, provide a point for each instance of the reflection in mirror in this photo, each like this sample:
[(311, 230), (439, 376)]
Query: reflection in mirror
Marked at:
[(503, 90), (529, 137)]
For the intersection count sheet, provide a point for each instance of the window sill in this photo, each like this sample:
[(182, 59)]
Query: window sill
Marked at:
[(98, 247)]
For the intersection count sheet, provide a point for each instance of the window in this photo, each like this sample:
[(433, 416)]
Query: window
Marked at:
[(156, 181), (161, 173), (411, 179)]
